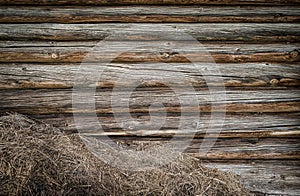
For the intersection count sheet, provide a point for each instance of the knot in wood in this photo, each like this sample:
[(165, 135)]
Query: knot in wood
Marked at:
[(165, 55), (294, 54), (274, 82), (240, 59), (131, 127), (54, 55)]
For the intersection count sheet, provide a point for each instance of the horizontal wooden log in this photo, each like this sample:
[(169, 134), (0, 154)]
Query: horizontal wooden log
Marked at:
[(278, 177), (76, 52), (149, 14), (226, 148), (251, 75), (148, 2), (233, 126), (264, 148), (242, 32), (60, 101)]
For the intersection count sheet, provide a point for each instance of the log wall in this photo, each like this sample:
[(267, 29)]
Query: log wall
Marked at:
[(255, 44)]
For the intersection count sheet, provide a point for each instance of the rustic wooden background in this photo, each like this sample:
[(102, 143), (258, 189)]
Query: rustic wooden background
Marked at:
[(255, 43)]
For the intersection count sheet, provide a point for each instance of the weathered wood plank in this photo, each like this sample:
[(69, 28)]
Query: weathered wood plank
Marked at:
[(75, 52), (234, 126), (149, 2), (269, 75), (73, 14), (263, 148), (60, 101), (278, 177), (243, 32), (228, 148), (251, 135)]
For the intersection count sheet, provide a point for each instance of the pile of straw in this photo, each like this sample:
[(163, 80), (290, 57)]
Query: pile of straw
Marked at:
[(36, 158)]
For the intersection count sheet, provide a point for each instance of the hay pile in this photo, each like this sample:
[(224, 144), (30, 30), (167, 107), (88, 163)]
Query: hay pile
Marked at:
[(36, 158)]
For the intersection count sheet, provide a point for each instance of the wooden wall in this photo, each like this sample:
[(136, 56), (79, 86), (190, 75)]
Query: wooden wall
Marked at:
[(255, 43)]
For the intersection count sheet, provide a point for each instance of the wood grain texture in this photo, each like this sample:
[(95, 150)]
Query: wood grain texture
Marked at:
[(229, 148), (60, 101), (242, 32), (75, 14), (266, 148), (254, 42), (76, 52), (148, 2), (243, 75), (234, 126), (265, 177)]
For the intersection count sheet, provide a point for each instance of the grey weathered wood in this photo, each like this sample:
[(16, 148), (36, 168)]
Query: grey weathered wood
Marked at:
[(74, 14), (263, 148), (261, 131), (76, 52), (233, 126), (271, 75), (243, 32), (277, 177), (228, 148), (60, 101), (148, 2)]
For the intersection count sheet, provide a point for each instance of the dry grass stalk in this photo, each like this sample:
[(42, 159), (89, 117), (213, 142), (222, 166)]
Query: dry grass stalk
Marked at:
[(36, 158)]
